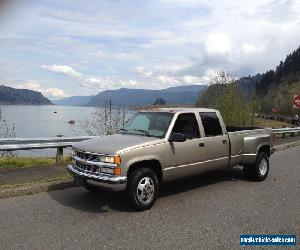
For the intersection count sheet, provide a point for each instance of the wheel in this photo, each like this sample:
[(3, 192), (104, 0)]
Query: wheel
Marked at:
[(143, 188), (259, 171)]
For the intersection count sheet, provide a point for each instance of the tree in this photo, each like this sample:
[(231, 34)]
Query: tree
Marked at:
[(160, 101), (106, 120), (224, 94), (6, 131)]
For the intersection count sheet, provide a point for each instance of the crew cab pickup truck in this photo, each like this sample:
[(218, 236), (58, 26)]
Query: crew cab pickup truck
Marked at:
[(158, 145)]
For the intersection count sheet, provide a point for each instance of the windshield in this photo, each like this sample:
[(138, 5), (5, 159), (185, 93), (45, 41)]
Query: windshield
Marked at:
[(152, 124)]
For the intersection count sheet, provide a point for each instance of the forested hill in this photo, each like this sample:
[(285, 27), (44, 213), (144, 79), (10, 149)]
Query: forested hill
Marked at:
[(274, 90), (287, 72), (277, 87), (10, 95)]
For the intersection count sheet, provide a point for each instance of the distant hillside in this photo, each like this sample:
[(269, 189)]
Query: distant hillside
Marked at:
[(248, 83), (277, 87), (10, 95), (126, 97), (73, 101), (273, 89)]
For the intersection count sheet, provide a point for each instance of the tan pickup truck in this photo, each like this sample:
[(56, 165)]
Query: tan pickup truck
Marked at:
[(161, 144)]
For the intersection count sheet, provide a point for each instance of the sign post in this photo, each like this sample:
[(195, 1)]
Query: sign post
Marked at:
[(297, 101)]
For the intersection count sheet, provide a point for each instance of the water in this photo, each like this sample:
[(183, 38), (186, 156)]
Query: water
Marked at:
[(42, 121), (45, 121)]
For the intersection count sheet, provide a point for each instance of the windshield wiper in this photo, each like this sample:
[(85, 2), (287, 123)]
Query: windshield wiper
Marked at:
[(143, 131), (123, 129)]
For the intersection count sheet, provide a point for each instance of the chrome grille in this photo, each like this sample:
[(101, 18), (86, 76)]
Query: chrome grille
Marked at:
[(86, 167), (87, 156)]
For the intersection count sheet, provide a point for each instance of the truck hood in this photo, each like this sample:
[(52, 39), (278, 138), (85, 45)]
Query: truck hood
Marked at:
[(115, 144)]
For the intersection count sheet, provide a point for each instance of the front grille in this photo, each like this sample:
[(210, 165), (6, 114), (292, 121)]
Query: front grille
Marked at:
[(86, 167), (86, 156)]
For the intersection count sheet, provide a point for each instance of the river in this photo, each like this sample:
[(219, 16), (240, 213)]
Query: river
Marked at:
[(45, 121)]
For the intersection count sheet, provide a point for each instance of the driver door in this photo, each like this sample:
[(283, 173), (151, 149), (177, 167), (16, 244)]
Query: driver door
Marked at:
[(184, 157)]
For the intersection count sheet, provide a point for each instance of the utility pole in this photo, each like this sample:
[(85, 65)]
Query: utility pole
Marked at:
[(110, 128)]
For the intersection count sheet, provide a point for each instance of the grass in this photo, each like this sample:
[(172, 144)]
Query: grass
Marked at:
[(63, 178), (265, 123), (25, 162)]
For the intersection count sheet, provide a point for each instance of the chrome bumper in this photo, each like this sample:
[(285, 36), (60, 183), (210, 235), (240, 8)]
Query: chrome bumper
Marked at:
[(116, 183)]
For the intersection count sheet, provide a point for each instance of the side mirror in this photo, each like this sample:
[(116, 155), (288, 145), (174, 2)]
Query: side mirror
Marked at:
[(177, 137)]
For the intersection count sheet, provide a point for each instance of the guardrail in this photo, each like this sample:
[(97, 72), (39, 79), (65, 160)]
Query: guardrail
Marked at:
[(13, 144), (286, 130)]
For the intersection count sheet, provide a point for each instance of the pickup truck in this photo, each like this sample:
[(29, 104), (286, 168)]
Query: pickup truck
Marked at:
[(158, 145)]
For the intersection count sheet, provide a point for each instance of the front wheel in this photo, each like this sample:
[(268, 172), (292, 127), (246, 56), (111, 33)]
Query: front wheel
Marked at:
[(143, 188), (259, 171)]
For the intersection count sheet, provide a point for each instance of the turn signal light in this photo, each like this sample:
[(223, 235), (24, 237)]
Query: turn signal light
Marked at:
[(117, 171), (117, 160)]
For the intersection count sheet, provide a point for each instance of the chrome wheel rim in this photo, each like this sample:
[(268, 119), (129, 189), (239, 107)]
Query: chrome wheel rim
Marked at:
[(145, 190), (263, 167)]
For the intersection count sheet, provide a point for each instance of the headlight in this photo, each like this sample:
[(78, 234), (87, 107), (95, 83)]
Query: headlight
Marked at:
[(73, 152), (111, 159)]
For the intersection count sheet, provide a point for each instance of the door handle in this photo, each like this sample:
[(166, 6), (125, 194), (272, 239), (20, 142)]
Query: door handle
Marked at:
[(201, 144), (224, 141)]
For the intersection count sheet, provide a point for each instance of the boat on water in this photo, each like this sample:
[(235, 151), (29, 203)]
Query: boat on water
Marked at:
[(71, 122)]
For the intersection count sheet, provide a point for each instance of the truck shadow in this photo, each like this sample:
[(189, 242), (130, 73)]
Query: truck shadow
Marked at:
[(107, 201), (201, 180)]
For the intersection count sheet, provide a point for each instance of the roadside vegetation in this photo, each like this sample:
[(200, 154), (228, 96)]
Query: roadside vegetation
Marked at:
[(268, 93), (6, 131), (106, 120), (26, 162), (225, 95), (266, 123)]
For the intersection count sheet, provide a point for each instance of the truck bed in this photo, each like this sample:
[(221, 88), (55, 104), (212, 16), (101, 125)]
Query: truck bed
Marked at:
[(244, 143)]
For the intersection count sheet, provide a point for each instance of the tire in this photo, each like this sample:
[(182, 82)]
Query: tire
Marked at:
[(259, 171), (143, 188)]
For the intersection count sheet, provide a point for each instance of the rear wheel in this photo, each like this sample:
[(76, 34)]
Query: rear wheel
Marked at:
[(143, 188), (259, 171)]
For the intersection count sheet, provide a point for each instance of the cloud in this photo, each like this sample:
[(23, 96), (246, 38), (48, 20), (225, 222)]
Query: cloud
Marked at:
[(63, 69), (143, 72), (145, 44), (52, 93), (217, 43)]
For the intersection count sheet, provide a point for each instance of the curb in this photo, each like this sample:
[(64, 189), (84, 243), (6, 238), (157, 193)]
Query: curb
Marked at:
[(286, 146), (32, 188)]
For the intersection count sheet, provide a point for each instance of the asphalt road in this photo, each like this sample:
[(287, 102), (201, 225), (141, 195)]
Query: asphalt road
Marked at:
[(208, 211)]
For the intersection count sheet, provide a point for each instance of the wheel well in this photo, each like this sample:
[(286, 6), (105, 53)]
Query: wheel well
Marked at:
[(153, 164), (265, 148)]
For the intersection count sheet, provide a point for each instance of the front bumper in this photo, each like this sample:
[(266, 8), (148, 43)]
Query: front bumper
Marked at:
[(116, 183)]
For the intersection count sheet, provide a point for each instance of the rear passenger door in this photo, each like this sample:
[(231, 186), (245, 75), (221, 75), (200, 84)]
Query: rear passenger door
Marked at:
[(216, 142)]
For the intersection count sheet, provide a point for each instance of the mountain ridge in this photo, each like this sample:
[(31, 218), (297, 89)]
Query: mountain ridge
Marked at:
[(186, 94), (13, 96)]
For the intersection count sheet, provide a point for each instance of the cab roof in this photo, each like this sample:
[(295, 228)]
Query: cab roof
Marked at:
[(179, 109)]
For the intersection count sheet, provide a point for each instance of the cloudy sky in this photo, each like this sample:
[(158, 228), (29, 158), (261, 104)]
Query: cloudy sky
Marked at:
[(64, 48)]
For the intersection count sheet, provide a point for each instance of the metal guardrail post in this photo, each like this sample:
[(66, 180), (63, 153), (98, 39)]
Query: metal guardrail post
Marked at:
[(59, 154)]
